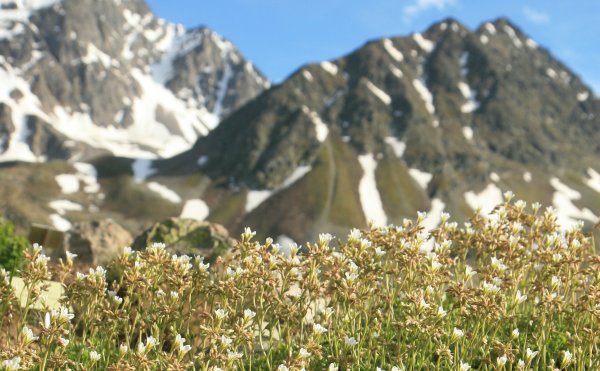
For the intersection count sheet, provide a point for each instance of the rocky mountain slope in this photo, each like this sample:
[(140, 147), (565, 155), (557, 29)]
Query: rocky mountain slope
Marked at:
[(440, 121), (82, 78), (444, 120)]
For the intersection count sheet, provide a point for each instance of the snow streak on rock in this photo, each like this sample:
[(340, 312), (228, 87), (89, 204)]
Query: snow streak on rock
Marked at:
[(368, 192)]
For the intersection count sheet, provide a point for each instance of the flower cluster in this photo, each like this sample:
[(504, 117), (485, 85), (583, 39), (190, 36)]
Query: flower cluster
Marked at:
[(506, 291)]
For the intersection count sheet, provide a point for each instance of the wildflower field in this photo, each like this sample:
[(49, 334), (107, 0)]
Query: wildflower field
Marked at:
[(511, 291)]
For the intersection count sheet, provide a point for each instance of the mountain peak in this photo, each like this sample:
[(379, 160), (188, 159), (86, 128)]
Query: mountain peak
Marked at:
[(448, 24), (103, 75)]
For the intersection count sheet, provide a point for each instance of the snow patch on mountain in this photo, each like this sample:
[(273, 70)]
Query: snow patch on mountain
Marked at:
[(425, 94), (369, 194), (142, 169), (513, 36), (165, 192), (424, 43), (434, 215), (383, 96), (397, 146), (490, 28), (329, 67), (396, 71), (15, 13), (593, 179), (467, 132), (68, 183), (568, 214), (60, 223), (175, 42), (307, 75), (256, 197), (583, 96), (485, 200), (421, 177), (95, 55), (17, 147), (320, 127), (195, 209), (531, 44), (392, 51)]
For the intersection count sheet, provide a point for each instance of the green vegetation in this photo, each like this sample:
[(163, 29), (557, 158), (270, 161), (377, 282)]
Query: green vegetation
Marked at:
[(508, 292), (12, 246)]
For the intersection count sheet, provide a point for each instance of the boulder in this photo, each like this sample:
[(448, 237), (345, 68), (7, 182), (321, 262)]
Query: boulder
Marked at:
[(187, 236), (97, 242)]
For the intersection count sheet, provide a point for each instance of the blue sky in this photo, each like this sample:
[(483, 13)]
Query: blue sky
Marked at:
[(281, 35)]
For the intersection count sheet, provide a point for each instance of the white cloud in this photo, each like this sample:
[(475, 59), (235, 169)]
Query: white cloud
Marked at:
[(420, 6), (536, 16)]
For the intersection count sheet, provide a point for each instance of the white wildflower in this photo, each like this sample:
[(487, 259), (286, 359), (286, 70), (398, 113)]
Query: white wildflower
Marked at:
[(249, 314), (319, 329), (47, 323), (464, 366), (220, 313), (498, 264), (556, 281), (157, 246), (304, 353), (457, 333), (62, 314), (566, 358), (248, 233), (422, 304), (63, 342), (226, 340), (70, 256), (354, 235), (325, 238), (123, 348), (501, 361), (333, 367), (282, 367), (183, 349), (94, 356), (520, 297), (42, 259), (233, 355), (529, 354), (151, 342), (127, 251), (379, 251), (490, 288), (179, 340), (441, 312), (515, 333), (350, 341), (12, 364), (469, 272), (27, 335)]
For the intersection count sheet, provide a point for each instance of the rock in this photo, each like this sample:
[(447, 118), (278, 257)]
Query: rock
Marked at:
[(44, 140), (187, 236), (97, 242)]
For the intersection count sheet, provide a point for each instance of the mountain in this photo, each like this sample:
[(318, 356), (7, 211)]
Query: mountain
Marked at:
[(83, 78), (440, 121), (444, 120)]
